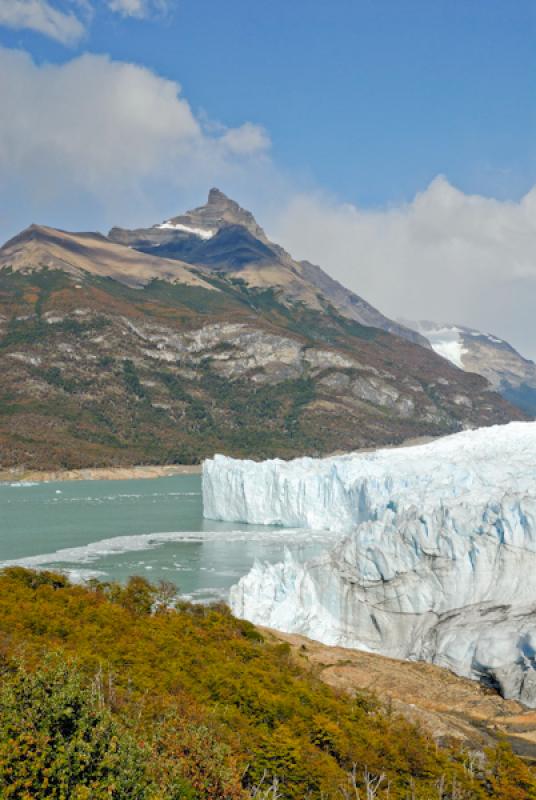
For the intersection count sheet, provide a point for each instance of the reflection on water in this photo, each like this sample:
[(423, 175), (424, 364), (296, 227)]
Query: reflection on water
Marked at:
[(113, 529)]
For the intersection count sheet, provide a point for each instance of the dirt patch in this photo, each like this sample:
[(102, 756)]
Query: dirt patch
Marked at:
[(448, 706)]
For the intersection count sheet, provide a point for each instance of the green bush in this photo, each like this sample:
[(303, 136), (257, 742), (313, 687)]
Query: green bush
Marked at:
[(131, 379), (57, 740)]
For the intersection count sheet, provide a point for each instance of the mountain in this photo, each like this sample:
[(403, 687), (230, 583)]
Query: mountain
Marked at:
[(508, 372), (222, 237), (113, 356), (76, 254)]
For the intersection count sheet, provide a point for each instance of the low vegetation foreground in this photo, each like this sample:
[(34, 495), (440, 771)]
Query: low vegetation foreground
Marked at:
[(107, 692)]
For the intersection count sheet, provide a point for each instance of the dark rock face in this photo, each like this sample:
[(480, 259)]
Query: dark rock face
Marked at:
[(230, 249), (521, 395)]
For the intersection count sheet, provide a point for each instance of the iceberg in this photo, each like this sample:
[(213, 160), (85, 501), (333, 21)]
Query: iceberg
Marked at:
[(433, 555)]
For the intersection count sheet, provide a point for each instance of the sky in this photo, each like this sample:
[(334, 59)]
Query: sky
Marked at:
[(391, 141)]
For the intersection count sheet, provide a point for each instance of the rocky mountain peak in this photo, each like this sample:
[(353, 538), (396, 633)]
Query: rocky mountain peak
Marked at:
[(219, 236), (34, 234), (219, 211), (217, 198), (33, 231)]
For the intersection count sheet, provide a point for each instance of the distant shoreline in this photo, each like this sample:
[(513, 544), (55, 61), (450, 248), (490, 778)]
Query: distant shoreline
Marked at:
[(18, 474)]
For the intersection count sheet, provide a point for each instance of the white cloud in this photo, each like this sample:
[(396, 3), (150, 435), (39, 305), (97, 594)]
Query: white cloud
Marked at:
[(95, 142), (110, 137), (245, 140), (96, 119), (446, 256), (138, 8), (40, 16), (57, 21)]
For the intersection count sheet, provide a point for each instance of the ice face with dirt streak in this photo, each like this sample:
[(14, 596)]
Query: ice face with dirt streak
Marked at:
[(434, 553)]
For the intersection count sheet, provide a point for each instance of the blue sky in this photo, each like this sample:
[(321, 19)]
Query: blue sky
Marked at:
[(368, 98), (392, 141)]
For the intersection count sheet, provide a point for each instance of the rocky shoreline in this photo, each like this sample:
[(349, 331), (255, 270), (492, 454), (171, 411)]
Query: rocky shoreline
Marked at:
[(17, 474)]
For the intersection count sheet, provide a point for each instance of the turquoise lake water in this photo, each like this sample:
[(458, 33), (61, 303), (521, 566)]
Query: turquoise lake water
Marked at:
[(152, 527)]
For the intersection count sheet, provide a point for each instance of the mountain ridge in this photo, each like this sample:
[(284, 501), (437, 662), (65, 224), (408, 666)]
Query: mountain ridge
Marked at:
[(40, 246), (508, 372), (262, 262), (112, 356)]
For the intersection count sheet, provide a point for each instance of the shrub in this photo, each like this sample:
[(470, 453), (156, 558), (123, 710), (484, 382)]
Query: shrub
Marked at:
[(58, 741), (196, 704), (131, 379)]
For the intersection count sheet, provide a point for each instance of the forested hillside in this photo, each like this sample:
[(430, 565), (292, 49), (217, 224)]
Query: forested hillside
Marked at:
[(108, 693)]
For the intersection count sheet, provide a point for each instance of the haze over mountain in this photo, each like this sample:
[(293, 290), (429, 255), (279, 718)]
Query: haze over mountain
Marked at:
[(198, 335)]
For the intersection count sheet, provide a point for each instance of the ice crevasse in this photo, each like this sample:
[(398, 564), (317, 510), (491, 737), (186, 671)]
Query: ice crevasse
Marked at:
[(433, 555)]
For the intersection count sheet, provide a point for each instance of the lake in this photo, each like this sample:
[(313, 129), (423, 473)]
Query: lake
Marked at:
[(152, 527)]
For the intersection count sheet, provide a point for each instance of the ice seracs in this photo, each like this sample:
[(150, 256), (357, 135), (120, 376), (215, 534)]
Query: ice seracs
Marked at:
[(433, 557), (340, 492)]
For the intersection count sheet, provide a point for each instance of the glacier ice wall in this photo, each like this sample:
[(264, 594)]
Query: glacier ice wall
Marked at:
[(437, 560), (340, 492)]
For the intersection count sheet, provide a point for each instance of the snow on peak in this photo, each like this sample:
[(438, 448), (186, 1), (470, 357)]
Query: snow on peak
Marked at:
[(446, 340), (433, 557), (451, 341), (202, 233), (450, 348)]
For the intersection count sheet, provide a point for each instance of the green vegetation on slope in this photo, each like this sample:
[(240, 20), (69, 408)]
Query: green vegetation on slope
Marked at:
[(105, 692), (96, 373), (58, 739)]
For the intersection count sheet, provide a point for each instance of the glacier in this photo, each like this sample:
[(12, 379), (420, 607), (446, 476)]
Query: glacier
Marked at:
[(433, 554)]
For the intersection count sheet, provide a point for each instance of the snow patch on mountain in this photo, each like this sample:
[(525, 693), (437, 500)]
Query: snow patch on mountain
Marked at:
[(445, 340), (449, 348), (508, 372), (202, 233)]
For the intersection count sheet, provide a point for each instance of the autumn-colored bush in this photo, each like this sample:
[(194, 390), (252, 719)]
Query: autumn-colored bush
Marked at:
[(57, 740), (221, 710)]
